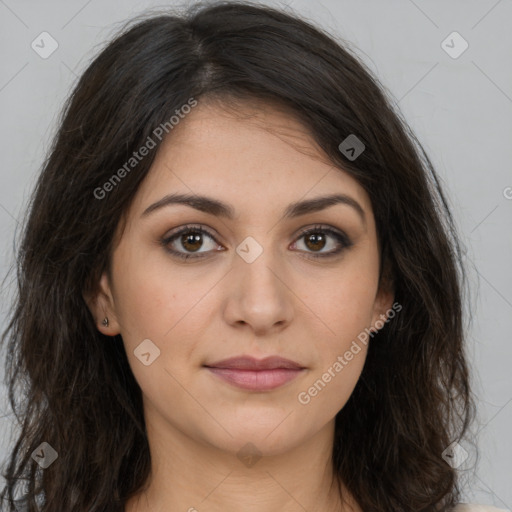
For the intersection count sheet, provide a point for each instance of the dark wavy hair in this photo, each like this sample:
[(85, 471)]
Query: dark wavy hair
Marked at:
[(72, 387)]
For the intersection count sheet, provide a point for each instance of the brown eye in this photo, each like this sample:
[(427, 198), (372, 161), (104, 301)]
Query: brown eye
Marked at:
[(315, 241), (187, 241), (191, 241), (318, 237)]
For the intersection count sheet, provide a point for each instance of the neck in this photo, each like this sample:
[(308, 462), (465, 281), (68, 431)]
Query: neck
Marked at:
[(191, 477)]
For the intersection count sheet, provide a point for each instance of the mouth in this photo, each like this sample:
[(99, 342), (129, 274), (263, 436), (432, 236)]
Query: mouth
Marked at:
[(256, 374)]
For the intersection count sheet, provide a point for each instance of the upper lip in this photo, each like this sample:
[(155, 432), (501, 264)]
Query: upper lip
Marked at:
[(251, 363)]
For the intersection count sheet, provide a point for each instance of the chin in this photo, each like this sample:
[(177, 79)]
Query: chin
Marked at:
[(268, 438)]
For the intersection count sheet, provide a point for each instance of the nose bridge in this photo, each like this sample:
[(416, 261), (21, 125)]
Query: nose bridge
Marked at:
[(256, 267), (259, 295)]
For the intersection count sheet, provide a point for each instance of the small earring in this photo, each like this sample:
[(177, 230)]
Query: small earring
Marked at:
[(105, 322)]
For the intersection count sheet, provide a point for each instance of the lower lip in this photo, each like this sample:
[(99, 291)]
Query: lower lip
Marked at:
[(257, 380)]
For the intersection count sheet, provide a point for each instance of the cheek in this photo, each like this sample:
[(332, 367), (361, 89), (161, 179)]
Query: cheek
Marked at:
[(164, 311), (345, 303), (327, 392), (341, 351), (166, 304), (150, 296), (344, 306)]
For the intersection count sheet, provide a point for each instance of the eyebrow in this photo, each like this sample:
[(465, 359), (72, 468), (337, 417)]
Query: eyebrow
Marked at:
[(218, 208)]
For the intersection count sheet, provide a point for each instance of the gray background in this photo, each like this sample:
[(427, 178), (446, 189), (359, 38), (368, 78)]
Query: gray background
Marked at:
[(460, 108)]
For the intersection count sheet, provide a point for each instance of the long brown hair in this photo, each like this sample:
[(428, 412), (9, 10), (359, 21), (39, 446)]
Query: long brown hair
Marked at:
[(78, 393)]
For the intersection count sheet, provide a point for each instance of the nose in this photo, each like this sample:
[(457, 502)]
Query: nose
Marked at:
[(258, 295)]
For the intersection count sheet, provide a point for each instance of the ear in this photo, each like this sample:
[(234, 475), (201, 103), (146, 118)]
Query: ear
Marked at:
[(384, 299), (381, 307), (101, 305)]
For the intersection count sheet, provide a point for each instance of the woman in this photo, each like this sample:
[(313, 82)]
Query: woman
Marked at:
[(239, 285)]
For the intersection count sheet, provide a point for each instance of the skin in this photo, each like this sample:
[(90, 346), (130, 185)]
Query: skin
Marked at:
[(201, 311)]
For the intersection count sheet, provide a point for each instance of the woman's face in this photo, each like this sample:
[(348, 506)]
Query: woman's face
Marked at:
[(254, 285)]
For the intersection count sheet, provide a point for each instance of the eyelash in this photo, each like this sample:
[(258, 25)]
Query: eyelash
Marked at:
[(341, 238)]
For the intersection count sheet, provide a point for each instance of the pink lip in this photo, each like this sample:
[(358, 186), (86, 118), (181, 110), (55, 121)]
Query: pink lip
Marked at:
[(257, 375)]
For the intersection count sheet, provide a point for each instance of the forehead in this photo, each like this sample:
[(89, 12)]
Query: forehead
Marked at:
[(251, 156)]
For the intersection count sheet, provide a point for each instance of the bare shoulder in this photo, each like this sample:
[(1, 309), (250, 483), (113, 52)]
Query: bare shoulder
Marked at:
[(473, 507)]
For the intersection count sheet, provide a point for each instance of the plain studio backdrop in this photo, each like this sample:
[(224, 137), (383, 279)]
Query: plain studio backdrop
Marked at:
[(448, 67)]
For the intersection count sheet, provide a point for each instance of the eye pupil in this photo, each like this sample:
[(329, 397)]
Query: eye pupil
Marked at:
[(315, 238), (190, 238)]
